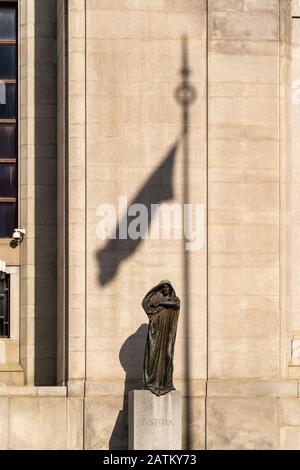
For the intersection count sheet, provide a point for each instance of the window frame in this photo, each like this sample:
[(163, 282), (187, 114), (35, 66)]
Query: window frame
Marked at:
[(15, 122)]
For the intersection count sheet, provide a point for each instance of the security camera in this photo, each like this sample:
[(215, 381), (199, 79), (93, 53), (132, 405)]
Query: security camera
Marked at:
[(19, 234)]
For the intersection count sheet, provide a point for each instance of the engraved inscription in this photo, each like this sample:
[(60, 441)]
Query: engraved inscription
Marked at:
[(157, 422)]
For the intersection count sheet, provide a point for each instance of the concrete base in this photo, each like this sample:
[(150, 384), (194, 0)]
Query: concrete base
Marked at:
[(154, 422)]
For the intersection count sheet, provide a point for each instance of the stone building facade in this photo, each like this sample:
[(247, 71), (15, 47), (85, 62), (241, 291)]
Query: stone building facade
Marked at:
[(102, 119)]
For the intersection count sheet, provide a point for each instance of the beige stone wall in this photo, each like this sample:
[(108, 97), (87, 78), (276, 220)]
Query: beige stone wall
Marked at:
[(241, 415), (243, 207), (123, 63), (54, 421), (124, 60), (76, 193), (132, 122), (26, 158), (132, 71), (290, 199), (285, 145), (38, 198), (251, 415)]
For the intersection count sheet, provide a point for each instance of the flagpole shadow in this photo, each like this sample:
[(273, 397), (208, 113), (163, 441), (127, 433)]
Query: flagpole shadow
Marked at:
[(185, 95), (157, 189)]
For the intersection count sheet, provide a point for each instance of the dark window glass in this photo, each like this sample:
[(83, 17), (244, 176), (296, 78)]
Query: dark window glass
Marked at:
[(8, 143), (8, 109), (8, 129), (8, 180), (7, 23), (4, 305), (8, 218), (7, 62)]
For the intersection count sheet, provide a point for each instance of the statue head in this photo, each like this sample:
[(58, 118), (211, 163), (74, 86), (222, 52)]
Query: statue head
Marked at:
[(165, 287)]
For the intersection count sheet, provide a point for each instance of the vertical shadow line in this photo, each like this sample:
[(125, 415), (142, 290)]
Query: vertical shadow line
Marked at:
[(85, 215), (66, 192), (280, 236), (207, 218), (186, 197), (85, 182)]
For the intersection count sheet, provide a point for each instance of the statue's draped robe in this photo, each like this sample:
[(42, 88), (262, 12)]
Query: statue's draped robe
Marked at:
[(159, 352)]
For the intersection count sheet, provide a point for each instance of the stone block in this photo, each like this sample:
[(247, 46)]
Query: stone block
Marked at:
[(12, 374), (231, 388), (290, 412), (75, 423), (116, 24), (226, 5), (14, 390), (4, 423), (290, 438), (244, 25), (193, 423), (185, 5), (106, 423), (154, 422), (242, 423), (258, 5), (296, 351), (52, 391), (37, 423), (76, 388), (243, 358), (246, 68)]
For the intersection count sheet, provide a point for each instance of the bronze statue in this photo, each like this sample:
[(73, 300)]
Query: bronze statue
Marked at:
[(162, 307)]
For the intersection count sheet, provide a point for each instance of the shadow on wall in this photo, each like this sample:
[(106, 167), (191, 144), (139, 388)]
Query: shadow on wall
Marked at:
[(157, 189), (132, 360), (45, 320)]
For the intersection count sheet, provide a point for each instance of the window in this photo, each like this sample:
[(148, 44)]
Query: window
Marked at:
[(8, 119), (4, 305)]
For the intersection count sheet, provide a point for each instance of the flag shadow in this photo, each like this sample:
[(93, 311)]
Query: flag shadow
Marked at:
[(157, 189)]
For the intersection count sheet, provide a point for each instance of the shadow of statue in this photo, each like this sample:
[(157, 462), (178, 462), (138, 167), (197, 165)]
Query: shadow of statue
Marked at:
[(132, 359)]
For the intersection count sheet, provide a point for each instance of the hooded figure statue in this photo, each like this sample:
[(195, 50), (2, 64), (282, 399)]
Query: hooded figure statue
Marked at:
[(162, 307)]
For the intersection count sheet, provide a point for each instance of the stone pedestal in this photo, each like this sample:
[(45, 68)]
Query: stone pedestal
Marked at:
[(154, 422)]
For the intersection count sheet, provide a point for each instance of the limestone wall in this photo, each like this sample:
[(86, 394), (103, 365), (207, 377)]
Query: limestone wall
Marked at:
[(133, 120), (37, 190), (40, 418), (243, 190), (240, 415), (291, 199), (233, 349), (125, 60)]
